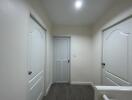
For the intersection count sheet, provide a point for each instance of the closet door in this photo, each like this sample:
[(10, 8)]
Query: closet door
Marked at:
[(36, 55), (117, 56), (61, 66)]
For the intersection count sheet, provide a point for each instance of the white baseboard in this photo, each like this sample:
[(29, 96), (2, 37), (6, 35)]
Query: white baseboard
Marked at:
[(61, 82), (47, 90), (40, 97), (82, 83)]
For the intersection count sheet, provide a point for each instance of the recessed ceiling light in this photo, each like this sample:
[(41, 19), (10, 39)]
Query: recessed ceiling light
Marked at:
[(78, 4)]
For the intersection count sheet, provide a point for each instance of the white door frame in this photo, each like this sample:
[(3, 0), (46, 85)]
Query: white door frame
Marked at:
[(69, 53)]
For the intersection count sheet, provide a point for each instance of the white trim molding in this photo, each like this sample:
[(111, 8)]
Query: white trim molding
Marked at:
[(82, 83), (40, 97), (48, 88)]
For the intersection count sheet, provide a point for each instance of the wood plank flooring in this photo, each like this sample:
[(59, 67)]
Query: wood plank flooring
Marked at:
[(70, 92)]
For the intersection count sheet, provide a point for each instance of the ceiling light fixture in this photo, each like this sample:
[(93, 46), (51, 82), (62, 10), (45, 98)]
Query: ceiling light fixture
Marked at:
[(78, 4)]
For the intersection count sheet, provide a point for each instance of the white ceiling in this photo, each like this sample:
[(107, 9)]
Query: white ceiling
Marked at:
[(63, 12)]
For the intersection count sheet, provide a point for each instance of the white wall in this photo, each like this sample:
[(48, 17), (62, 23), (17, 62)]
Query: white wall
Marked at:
[(13, 26), (14, 15), (81, 68), (119, 11)]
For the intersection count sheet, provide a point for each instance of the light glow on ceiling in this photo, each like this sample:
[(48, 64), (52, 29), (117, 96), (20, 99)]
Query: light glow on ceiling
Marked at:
[(78, 4)]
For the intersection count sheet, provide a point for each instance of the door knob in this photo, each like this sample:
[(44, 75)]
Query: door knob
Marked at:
[(30, 72), (103, 64), (68, 60)]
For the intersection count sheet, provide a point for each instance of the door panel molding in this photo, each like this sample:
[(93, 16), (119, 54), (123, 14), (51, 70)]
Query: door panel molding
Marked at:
[(116, 79)]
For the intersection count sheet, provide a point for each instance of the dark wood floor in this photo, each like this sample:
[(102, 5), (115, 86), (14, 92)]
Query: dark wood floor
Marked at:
[(70, 92)]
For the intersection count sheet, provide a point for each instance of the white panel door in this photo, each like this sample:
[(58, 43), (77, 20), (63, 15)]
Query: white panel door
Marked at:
[(36, 55), (61, 70), (117, 56)]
